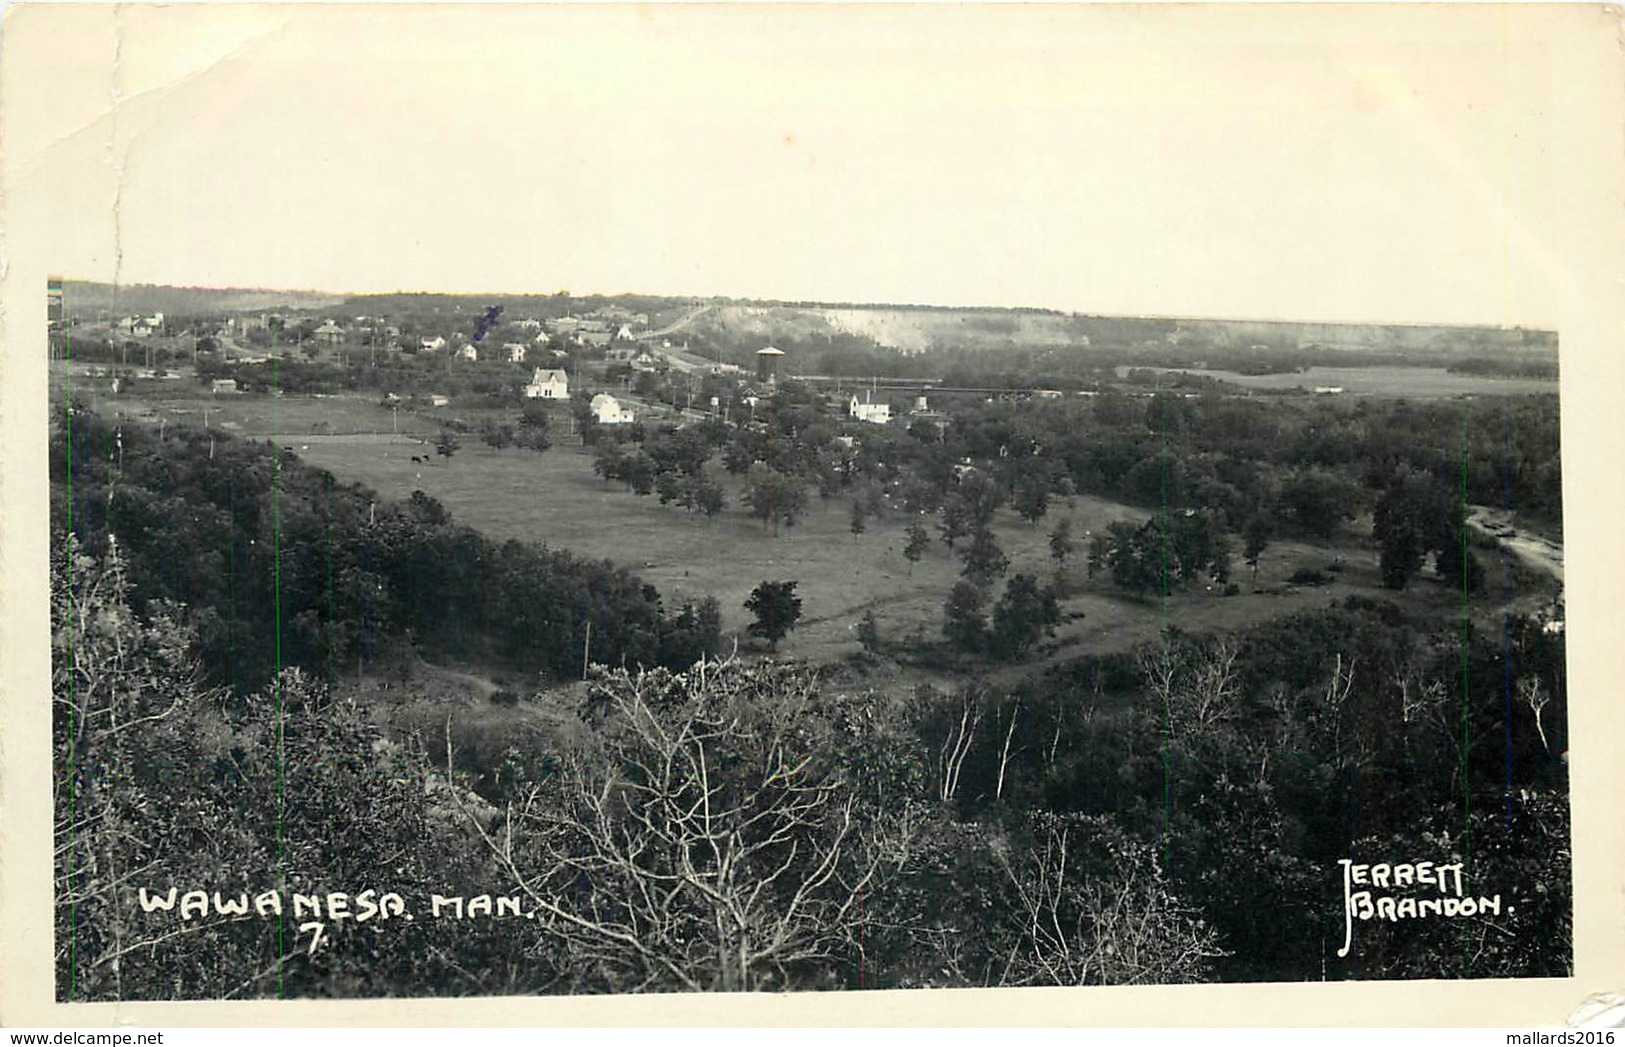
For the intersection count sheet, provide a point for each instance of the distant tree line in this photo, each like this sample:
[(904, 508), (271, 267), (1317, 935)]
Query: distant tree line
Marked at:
[(486, 383), (1308, 468), (1507, 367)]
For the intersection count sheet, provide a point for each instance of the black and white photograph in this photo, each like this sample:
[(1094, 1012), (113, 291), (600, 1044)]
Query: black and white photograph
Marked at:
[(620, 501)]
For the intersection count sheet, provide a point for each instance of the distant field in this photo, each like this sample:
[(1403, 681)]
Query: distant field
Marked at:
[(556, 499), (288, 419), (1422, 383)]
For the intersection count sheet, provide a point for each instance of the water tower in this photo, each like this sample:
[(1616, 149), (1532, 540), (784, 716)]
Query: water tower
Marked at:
[(767, 364)]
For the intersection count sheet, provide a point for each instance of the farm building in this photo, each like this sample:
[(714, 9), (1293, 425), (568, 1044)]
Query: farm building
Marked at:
[(609, 411), (548, 384), (141, 326), (866, 410)]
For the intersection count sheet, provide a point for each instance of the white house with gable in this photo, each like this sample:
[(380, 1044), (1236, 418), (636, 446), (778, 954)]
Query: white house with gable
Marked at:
[(329, 333), (866, 410), (609, 411), (548, 384)]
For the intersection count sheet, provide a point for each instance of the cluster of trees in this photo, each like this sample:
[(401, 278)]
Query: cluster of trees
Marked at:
[(1259, 759), (1164, 551), (1173, 814), (286, 566), (774, 497), (1024, 613), (731, 828), (791, 449), (165, 782), (1217, 472), (670, 463), (776, 608), (1414, 518), (533, 430), (115, 350), (488, 383), (1306, 469)]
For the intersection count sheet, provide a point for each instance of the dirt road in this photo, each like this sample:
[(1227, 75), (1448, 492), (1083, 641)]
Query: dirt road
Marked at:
[(1542, 554)]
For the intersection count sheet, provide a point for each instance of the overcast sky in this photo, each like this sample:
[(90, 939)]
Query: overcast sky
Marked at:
[(1296, 164)]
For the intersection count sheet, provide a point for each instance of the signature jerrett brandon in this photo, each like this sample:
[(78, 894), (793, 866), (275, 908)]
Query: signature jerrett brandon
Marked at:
[(1436, 890)]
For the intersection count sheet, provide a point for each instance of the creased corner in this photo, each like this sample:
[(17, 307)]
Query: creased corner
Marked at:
[(1600, 1010)]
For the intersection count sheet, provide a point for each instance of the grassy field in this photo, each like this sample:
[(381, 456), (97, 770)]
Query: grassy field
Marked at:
[(556, 499), (1418, 383), (287, 419)]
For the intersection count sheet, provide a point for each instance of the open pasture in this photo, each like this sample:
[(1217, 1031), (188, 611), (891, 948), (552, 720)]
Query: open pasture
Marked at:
[(556, 499)]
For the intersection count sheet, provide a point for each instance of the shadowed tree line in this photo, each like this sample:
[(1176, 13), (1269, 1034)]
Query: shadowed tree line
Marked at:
[(283, 565), (1175, 814)]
